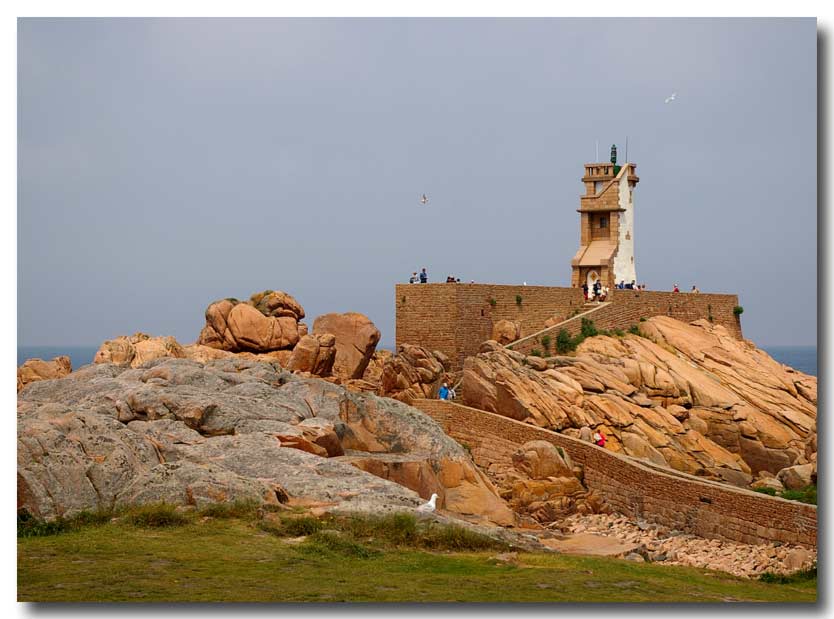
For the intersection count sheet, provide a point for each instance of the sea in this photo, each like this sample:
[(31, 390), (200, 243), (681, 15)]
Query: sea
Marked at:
[(802, 358)]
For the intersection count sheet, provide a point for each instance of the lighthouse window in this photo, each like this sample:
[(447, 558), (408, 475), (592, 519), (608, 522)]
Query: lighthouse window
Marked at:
[(603, 222)]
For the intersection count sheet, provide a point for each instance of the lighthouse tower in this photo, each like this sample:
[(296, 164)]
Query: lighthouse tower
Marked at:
[(606, 237)]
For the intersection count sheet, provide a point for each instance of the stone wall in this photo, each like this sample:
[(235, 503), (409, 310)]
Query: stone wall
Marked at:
[(456, 318), (627, 307), (635, 488)]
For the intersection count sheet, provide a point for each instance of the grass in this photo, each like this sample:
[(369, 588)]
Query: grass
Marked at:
[(386, 559), (806, 495), (798, 577)]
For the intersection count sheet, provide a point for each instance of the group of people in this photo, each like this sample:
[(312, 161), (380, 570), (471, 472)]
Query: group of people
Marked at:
[(446, 392), (422, 278), (597, 292), (632, 286), (694, 289)]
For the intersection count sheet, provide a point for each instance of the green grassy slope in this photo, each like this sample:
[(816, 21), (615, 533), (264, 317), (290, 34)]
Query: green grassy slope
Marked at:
[(240, 559)]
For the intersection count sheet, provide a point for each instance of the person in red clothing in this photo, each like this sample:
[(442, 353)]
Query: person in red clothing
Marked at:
[(599, 439), (676, 289)]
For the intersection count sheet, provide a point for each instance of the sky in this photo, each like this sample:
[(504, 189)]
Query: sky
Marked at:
[(166, 163)]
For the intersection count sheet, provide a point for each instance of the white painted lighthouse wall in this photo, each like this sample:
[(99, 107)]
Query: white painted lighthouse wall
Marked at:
[(624, 269)]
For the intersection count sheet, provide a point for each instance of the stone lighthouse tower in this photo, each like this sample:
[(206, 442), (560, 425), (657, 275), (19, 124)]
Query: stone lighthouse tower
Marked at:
[(606, 211)]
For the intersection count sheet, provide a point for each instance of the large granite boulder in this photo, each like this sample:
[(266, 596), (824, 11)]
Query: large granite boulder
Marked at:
[(413, 372), (269, 321), (356, 340), (506, 331), (687, 396), (314, 354), (137, 349), (38, 369), (187, 432)]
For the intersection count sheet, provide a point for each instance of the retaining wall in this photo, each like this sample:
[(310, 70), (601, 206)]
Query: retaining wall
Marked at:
[(637, 489)]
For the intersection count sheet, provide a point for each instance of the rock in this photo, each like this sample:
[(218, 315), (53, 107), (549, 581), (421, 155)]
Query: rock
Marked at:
[(137, 349), (506, 331), (269, 321), (635, 557), (768, 482), (413, 372), (38, 369), (255, 332), (540, 460), (277, 303), (796, 477), (688, 396), (356, 340), (314, 354), (189, 433), (797, 559)]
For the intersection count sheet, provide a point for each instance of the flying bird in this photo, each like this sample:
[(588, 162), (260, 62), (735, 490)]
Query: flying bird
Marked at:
[(424, 199), (670, 98), (429, 507)]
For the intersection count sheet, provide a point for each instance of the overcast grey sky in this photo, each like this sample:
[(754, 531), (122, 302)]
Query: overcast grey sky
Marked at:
[(165, 163)]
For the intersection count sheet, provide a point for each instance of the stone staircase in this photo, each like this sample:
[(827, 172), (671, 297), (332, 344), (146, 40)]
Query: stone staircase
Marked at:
[(590, 309)]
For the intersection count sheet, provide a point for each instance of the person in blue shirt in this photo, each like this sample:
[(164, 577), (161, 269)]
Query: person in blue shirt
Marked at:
[(443, 394), (424, 277)]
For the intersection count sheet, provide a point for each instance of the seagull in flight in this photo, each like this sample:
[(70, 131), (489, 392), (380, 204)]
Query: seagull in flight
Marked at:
[(429, 507), (670, 98), (424, 199)]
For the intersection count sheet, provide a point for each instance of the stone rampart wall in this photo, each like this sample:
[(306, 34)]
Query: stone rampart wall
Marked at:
[(457, 318), (627, 307), (666, 497)]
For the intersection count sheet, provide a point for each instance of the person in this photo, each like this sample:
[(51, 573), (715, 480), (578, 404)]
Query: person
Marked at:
[(597, 288), (443, 394), (621, 285), (413, 279), (676, 289), (585, 290), (452, 393), (633, 284), (695, 290), (603, 293), (424, 277), (599, 439)]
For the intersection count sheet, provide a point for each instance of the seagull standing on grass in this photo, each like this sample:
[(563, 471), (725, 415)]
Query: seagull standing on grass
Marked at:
[(427, 508), (670, 98)]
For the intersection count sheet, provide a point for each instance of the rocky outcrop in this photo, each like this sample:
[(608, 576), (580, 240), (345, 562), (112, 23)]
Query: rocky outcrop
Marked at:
[(545, 484), (134, 350), (38, 369), (314, 354), (189, 433), (686, 396), (506, 331), (413, 372), (356, 340), (269, 321)]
